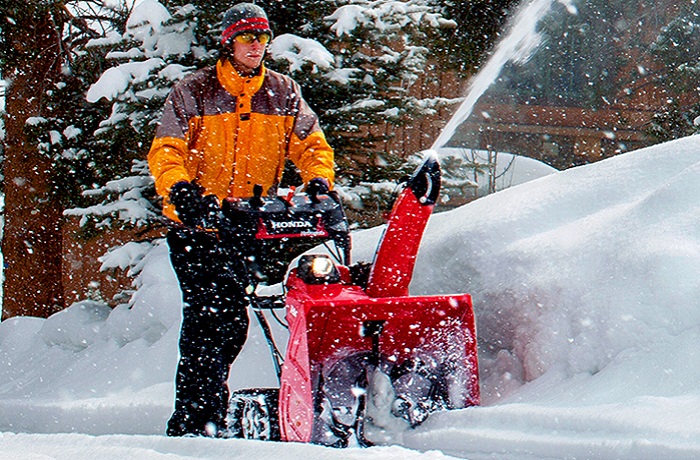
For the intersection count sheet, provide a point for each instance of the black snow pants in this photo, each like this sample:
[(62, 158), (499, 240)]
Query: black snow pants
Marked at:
[(214, 329)]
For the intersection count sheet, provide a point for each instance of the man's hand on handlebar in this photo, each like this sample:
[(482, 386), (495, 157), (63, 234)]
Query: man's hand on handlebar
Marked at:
[(194, 209), (317, 186)]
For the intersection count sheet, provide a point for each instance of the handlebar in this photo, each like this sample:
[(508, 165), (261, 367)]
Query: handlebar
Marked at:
[(245, 221)]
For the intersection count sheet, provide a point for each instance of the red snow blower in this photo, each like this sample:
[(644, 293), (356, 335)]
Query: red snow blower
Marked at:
[(364, 358)]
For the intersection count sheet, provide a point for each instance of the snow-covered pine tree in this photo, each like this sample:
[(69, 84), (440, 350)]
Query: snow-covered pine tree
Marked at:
[(153, 50)]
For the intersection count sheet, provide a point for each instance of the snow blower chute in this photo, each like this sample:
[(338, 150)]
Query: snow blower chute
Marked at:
[(364, 358)]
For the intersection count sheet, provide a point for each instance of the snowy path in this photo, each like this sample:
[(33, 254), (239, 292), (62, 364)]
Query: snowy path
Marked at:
[(85, 447), (511, 431)]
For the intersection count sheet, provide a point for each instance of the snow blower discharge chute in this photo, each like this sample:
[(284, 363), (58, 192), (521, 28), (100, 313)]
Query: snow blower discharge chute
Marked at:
[(364, 358)]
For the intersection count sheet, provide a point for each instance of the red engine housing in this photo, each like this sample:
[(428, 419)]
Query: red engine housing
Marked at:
[(325, 325)]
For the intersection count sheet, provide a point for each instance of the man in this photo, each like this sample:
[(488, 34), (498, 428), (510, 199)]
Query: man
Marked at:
[(224, 129)]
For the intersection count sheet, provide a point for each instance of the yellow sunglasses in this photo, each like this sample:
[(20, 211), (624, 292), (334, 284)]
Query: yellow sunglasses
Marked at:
[(248, 38)]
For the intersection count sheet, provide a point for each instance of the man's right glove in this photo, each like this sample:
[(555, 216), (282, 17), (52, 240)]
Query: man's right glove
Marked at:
[(189, 202)]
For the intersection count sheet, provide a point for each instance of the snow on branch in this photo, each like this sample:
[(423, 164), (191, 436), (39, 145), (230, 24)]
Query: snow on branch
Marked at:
[(116, 80), (297, 51), (385, 16)]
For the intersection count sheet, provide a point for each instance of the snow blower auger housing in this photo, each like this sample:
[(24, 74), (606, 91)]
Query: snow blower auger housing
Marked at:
[(364, 358)]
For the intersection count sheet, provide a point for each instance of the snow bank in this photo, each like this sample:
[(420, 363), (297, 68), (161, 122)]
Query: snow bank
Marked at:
[(578, 270)]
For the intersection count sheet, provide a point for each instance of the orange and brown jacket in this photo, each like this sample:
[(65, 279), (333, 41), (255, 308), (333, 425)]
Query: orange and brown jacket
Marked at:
[(229, 132)]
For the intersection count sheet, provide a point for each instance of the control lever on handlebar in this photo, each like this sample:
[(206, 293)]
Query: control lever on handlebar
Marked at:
[(256, 201)]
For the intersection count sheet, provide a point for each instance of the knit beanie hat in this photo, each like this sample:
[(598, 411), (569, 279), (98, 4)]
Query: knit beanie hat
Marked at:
[(242, 18)]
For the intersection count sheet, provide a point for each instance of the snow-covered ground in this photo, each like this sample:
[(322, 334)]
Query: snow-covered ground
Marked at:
[(586, 285)]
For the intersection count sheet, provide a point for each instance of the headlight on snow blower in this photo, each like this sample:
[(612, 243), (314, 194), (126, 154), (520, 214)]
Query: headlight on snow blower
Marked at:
[(317, 269)]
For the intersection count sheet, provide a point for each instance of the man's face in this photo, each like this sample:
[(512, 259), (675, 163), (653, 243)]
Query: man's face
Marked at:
[(247, 56)]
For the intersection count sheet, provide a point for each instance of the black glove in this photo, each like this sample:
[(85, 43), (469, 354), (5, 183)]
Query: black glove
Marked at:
[(189, 202), (317, 186)]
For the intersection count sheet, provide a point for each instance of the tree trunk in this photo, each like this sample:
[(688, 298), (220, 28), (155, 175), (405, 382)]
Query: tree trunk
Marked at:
[(32, 243)]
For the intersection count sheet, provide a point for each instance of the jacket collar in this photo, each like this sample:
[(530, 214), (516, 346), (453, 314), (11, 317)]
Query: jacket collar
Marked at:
[(235, 83)]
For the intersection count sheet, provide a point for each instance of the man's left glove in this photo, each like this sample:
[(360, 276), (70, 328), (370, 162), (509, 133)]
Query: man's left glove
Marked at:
[(317, 186), (189, 202)]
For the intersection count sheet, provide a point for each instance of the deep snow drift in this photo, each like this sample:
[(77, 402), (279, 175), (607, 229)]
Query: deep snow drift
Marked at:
[(586, 285)]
